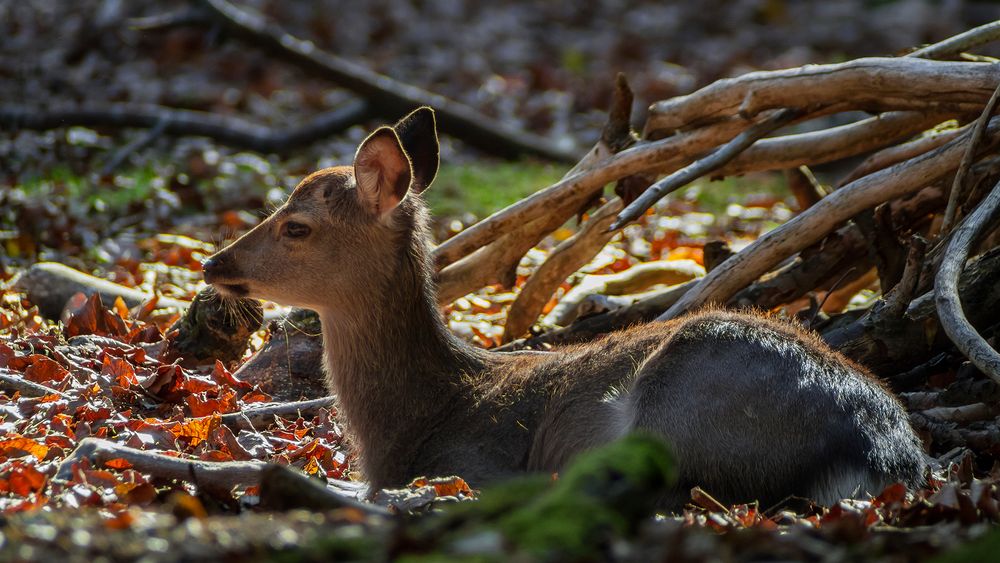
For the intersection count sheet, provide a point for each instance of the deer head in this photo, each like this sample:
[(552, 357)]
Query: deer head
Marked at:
[(343, 230)]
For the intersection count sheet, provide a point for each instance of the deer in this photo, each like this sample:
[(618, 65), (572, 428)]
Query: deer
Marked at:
[(753, 407)]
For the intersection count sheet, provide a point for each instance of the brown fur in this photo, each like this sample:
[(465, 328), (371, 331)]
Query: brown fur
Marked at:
[(754, 407)]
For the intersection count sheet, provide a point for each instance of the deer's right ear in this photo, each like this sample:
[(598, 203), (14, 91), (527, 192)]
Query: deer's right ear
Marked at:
[(382, 171), (418, 133)]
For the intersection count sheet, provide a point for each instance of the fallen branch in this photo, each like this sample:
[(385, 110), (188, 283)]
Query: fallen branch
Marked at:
[(949, 305), (634, 279), (568, 194), (283, 488), (815, 222), (225, 129), (564, 259), (387, 97), (644, 309), (958, 184), (869, 84), (259, 417), (835, 143), (49, 285), (703, 166), (959, 43), (216, 478)]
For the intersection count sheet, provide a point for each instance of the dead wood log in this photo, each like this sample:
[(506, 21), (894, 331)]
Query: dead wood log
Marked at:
[(49, 285), (633, 280), (212, 328), (644, 309), (565, 259), (282, 488), (868, 84), (949, 305), (386, 97), (889, 345), (290, 365), (804, 186), (813, 224), (225, 129)]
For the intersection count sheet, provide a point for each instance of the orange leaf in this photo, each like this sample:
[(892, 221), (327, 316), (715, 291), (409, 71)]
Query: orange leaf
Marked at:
[(196, 430), (118, 463), (15, 443)]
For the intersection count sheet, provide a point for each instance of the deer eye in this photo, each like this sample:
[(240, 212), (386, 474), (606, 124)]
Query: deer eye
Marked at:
[(295, 230)]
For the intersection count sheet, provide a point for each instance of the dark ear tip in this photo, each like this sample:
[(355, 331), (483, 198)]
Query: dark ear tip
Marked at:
[(423, 116)]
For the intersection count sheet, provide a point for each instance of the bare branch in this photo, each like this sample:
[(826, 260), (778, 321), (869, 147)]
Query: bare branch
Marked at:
[(813, 224), (949, 305), (958, 184), (706, 165), (961, 42), (870, 84), (565, 259)]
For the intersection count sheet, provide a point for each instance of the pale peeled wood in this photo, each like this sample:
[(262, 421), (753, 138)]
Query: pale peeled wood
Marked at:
[(871, 84), (814, 223)]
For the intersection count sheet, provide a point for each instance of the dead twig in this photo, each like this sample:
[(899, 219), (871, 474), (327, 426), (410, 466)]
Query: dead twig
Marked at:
[(706, 165), (949, 305), (813, 224), (961, 42), (958, 184), (258, 417)]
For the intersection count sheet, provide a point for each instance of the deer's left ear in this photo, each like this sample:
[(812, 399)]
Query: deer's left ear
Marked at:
[(382, 171), (418, 134)]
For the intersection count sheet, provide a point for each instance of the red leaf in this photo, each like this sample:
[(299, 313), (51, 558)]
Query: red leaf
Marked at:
[(44, 369), (120, 370)]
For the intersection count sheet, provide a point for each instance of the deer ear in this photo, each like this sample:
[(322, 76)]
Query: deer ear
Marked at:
[(418, 134), (382, 171)]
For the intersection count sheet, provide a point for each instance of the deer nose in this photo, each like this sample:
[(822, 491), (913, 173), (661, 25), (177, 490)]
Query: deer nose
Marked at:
[(214, 267)]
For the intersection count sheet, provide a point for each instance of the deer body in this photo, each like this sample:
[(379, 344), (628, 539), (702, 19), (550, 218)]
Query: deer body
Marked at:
[(754, 408)]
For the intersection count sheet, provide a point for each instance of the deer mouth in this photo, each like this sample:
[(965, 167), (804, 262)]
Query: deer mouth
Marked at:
[(232, 289)]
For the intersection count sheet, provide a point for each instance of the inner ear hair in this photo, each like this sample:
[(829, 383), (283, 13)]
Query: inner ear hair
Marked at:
[(383, 171), (418, 135)]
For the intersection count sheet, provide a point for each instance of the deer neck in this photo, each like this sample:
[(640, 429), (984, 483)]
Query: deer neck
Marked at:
[(390, 358)]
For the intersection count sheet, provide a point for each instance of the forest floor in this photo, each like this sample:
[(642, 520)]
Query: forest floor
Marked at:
[(148, 221)]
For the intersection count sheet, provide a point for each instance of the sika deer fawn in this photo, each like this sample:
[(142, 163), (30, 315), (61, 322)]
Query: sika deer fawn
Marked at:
[(754, 408)]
